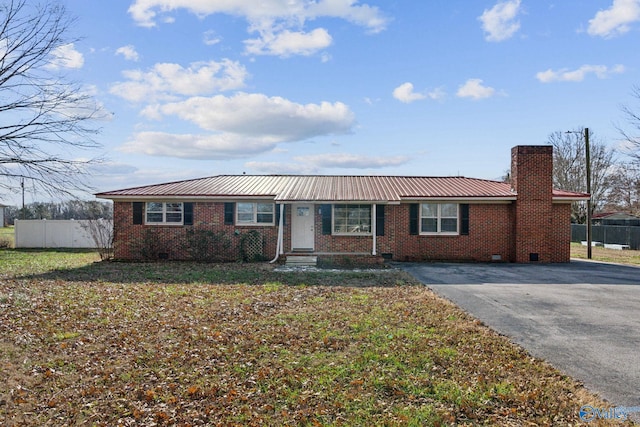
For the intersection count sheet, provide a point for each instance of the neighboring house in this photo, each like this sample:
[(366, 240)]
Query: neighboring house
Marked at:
[(615, 218), (403, 218), (2, 216)]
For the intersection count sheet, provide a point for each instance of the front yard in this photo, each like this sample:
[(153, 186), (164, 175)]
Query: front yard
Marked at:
[(96, 343)]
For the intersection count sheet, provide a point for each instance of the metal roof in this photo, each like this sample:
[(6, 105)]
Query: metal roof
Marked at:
[(292, 188)]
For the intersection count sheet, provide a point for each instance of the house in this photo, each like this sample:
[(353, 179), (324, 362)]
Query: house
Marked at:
[(615, 218), (3, 221), (406, 218)]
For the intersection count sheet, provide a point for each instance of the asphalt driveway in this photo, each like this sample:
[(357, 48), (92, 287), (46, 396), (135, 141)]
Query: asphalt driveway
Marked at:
[(582, 317)]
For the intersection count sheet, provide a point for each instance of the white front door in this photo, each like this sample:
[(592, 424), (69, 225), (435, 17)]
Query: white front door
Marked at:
[(302, 231)]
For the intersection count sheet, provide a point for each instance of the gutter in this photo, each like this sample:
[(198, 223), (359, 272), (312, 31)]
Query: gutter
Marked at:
[(279, 244)]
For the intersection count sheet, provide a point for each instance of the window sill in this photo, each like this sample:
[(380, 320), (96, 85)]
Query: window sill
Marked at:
[(440, 234), (352, 234)]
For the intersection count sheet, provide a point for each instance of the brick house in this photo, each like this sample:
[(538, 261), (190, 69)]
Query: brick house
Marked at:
[(403, 218)]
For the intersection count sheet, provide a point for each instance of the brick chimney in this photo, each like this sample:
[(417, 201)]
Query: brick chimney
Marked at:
[(532, 180)]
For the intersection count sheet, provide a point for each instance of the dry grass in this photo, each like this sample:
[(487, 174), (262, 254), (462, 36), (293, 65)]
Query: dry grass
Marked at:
[(89, 343), (6, 237), (599, 253)]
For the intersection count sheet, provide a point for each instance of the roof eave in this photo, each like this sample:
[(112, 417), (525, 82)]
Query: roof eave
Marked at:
[(190, 197), (569, 199), (461, 198)]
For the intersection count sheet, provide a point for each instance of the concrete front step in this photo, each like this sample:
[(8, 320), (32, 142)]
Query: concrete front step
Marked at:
[(301, 261)]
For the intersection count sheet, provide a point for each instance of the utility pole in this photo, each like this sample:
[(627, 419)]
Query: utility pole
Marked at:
[(587, 155), (588, 158), (22, 186)]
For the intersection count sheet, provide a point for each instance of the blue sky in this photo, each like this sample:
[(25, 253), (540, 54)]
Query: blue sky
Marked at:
[(197, 88)]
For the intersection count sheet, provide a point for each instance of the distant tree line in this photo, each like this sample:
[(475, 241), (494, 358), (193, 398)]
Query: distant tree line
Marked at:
[(72, 209), (615, 171)]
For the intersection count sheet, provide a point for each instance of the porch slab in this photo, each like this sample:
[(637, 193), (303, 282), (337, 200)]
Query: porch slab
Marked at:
[(301, 260)]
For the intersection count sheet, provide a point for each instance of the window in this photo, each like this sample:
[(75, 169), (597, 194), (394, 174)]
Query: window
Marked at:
[(352, 219), (439, 218), (164, 213), (255, 213)]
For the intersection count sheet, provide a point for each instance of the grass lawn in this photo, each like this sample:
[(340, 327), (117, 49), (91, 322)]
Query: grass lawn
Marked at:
[(599, 253), (84, 342)]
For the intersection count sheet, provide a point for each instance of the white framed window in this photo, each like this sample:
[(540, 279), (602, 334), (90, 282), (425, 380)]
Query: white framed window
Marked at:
[(255, 213), (439, 218), (171, 213), (351, 219)]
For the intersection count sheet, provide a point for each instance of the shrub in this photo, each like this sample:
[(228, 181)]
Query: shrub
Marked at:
[(5, 243), (101, 231), (151, 246), (207, 246)]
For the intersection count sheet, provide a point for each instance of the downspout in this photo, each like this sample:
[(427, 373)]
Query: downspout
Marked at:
[(373, 227), (280, 235)]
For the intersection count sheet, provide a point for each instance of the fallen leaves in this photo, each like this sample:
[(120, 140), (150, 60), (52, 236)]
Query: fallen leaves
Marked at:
[(137, 352)]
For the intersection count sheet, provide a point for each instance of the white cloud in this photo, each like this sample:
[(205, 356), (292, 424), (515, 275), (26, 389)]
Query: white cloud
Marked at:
[(566, 75), (111, 168), (359, 14), (473, 88), (66, 56), (201, 147), (279, 23), (129, 52), (355, 161), (500, 22), (85, 105), (144, 12), (256, 114), (165, 80), (281, 168), (404, 93), (287, 43), (239, 126), (210, 38), (312, 164), (615, 20)]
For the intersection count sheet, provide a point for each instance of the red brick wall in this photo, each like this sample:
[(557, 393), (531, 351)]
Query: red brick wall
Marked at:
[(489, 235), (131, 240), (532, 179), (561, 236), (332, 244)]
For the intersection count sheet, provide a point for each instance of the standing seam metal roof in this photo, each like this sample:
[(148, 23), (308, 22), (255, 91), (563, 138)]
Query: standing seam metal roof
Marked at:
[(321, 187), (290, 188)]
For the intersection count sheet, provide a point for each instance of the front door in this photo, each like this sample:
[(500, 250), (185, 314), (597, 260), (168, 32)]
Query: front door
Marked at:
[(302, 230)]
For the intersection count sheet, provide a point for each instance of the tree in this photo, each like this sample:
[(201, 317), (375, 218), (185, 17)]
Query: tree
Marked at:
[(569, 169), (625, 195), (44, 117), (633, 118)]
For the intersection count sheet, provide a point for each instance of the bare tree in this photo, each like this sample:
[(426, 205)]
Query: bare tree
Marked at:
[(633, 119), (569, 168), (45, 117), (625, 194)]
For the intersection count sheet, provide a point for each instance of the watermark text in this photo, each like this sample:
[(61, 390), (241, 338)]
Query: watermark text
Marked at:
[(620, 413)]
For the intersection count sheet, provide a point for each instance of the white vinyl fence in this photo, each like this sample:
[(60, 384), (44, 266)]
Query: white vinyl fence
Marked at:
[(53, 234)]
